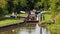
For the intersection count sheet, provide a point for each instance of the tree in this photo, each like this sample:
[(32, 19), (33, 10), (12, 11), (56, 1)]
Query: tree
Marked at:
[(3, 9), (10, 6), (55, 6)]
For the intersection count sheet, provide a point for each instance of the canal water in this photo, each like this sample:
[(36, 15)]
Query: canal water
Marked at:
[(25, 29)]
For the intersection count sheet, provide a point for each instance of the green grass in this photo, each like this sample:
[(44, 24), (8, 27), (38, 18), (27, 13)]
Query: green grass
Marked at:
[(55, 28), (22, 15), (9, 22), (47, 17)]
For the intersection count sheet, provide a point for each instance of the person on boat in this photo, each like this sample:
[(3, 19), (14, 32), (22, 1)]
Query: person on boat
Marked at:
[(40, 17), (33, 15)]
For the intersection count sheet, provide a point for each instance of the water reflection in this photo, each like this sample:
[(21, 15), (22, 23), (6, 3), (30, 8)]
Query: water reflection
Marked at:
[(27, 29)]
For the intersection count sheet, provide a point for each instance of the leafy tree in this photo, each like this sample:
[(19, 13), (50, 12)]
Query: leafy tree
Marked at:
[(3, 9), (55, 6), (10, 6)]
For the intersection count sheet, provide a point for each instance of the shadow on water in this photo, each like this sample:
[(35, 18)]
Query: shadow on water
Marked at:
[(24, 29)]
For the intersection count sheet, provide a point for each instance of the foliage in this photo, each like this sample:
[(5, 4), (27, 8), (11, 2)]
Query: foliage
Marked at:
[(9, 6), (3, 7), (55, 6)]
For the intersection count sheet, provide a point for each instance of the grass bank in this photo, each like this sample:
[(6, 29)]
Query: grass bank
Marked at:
[(11, 21), (55, 28), (47, 17), (22, 15)]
